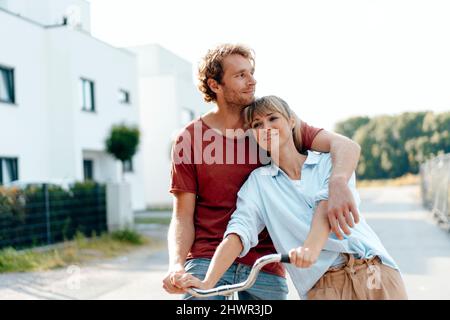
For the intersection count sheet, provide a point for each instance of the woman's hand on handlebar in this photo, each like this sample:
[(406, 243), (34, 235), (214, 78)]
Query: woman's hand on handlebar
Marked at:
[(303, 257)]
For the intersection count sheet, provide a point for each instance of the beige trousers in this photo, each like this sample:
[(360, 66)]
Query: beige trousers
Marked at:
[(360, 279)]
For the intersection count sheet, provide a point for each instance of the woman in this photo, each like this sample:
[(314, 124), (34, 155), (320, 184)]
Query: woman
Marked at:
[(289, 197)]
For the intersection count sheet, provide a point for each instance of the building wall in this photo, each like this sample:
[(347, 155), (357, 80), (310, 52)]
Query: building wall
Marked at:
[(47, 130), (158, 118), (23, 126), (56, 134), (167, 91), (111, 70)]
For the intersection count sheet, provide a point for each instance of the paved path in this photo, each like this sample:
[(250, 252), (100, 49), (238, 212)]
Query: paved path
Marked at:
[(421, 249)]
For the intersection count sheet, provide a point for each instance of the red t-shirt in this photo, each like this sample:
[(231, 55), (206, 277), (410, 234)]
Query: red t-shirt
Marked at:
[(215, 174)]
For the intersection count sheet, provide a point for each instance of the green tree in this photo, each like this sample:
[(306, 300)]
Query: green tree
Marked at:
[(434, 140), (408, 125), (394, 145), (382, 156), (350, 126), (123, 142)]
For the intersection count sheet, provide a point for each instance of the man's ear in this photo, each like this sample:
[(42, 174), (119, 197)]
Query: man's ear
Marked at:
[(213, 85)]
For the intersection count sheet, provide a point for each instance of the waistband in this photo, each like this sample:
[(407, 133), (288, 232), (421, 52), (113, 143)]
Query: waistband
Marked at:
[(352, 264)]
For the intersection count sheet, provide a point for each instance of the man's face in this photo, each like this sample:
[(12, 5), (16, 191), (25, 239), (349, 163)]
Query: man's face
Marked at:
[(238, 84)]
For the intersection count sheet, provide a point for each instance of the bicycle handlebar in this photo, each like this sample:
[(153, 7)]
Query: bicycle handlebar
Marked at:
[(229, 289)]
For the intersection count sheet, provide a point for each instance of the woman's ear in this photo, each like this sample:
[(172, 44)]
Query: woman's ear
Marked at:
[(292, 122)]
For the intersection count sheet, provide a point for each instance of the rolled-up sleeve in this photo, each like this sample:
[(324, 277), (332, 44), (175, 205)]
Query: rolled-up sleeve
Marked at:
[(246, 221), (322, 194)]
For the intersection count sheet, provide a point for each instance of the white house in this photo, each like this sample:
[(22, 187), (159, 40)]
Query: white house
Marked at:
[(61, 90), (168, 100)]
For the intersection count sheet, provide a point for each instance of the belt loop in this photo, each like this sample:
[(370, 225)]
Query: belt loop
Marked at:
[(350, 264)]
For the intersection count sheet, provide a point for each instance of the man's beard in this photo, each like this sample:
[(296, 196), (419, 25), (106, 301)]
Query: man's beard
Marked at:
[(239, 100)]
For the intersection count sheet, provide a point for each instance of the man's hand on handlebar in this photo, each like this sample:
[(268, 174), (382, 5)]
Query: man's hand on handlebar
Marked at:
[(187, 280), (169, 281)]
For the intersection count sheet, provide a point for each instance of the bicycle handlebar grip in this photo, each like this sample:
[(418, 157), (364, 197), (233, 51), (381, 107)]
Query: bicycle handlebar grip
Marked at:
[(285, 258)]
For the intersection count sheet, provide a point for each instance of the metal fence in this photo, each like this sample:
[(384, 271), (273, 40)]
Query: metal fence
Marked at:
[(435, 187), (46, 214)]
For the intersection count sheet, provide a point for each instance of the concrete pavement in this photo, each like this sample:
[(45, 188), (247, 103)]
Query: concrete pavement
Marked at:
[(420, 247)]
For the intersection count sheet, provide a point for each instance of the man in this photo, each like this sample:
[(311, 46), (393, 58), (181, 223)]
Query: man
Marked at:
[(205, 191)]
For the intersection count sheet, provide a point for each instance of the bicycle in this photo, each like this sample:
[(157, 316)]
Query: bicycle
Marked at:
[(230, 290)]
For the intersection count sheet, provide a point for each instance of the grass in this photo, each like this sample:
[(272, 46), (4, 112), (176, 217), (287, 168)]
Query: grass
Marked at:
[(159, 208), (78, 251), (153, 220), (408, 179)]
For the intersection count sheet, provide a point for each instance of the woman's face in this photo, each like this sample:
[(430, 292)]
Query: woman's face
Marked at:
[(271, 130)]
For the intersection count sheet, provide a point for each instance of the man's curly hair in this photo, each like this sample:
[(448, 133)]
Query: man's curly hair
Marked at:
[(210, 67)]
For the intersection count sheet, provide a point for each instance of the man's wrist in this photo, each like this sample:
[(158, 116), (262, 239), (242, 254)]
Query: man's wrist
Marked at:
[(176, 266), (338, 179)]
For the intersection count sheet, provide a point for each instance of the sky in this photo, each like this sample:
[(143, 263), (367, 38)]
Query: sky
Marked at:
[(329, 60)]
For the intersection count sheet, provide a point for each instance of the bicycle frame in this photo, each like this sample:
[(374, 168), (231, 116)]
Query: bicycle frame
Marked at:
[(230, 289)]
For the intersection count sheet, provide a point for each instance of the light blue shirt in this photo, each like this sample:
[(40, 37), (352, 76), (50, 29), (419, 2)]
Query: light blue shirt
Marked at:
[(269, 198)]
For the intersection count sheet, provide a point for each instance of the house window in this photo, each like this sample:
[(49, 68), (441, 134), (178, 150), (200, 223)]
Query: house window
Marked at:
[(128, 166), (88, 169), (9, 170), (87, 95), (124, 97), (7, 85)]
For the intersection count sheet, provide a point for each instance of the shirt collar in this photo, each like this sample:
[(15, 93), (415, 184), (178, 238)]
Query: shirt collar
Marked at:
[(312, 159)]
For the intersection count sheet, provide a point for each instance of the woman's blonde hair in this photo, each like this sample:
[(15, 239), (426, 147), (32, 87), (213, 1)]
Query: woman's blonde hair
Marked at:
[(269, 104)]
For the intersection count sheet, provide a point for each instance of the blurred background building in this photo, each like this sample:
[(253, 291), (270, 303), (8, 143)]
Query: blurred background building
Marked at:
[(168, 101), (61, 90)]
